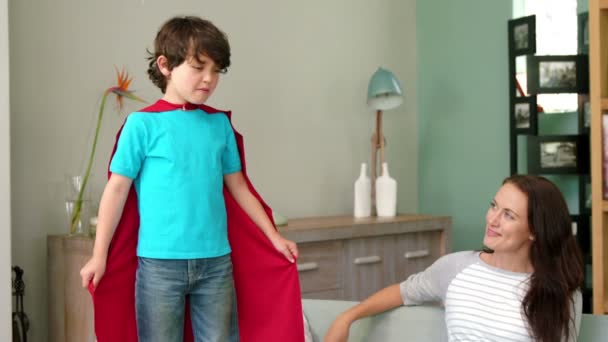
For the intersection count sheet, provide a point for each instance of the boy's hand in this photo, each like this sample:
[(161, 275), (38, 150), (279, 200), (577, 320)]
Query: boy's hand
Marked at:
[(93, 270), (288, 248)]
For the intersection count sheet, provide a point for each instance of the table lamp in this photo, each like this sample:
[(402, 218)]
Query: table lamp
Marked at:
[(383, 93)]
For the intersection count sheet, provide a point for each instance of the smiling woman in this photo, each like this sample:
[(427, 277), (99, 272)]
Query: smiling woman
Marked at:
[(524, 285), (533, 233)]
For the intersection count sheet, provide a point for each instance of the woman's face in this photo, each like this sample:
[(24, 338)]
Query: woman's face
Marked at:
[(507, 228)]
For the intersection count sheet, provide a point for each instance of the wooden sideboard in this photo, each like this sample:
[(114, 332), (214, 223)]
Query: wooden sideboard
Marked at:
[(340, 258), (346, 258), (70, 310)]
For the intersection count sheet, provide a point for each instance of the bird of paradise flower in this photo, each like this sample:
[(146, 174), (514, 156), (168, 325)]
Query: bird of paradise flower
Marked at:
[(121, 90)]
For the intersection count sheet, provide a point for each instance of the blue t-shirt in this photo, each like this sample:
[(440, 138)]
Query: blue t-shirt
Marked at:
[(177, 160)]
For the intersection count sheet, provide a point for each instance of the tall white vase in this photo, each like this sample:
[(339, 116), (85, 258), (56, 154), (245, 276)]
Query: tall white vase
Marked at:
[(386, 194), (363, 190)]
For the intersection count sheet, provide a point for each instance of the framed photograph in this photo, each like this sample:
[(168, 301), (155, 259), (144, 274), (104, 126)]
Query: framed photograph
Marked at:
[(558, 74), (558, 154), (584, 114), (522, 36), (583, 33), (524, 115)]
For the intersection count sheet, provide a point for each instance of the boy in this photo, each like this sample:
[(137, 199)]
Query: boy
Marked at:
[(179, 159)]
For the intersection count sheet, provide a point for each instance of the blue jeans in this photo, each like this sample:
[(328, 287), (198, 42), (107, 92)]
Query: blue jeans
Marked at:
[(161, 288)]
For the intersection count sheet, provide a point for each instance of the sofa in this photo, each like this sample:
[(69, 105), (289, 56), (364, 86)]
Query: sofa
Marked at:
[(416, 323)]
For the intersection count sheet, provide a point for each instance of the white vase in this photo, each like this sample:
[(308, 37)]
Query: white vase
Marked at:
[(386, 194), (363, 189)]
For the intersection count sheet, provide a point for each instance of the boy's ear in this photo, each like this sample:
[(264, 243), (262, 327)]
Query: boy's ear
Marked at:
[(163, 65)]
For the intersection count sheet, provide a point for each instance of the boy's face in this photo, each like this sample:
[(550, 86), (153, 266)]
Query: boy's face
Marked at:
[(192, 81)]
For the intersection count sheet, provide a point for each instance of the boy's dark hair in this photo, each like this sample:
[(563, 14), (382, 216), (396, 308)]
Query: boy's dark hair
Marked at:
[(183, 37)]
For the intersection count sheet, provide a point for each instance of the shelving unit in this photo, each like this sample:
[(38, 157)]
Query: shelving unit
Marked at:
[(598, 72), (533, 130)]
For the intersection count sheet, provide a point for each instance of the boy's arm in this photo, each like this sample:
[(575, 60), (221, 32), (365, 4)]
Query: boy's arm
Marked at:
[(236, 184), (110, 210)]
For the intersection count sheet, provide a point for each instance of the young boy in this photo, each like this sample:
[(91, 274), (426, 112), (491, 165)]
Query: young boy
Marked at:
[(179, 160)]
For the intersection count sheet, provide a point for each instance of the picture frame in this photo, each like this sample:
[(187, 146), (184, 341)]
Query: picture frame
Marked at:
[(584, 114), (558, 74), (583, 33), (524, 115), (558, 154), (522, 36)]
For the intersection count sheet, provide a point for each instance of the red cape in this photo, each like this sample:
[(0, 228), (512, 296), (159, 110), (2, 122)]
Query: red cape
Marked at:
[(267, 285)]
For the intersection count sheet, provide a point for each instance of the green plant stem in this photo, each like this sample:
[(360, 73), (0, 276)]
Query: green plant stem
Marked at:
[(78, 205)]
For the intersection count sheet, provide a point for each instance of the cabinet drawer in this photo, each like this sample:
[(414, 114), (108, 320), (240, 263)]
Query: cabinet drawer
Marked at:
[(414, 252), (366, 263), (320, 266), (327, 294)]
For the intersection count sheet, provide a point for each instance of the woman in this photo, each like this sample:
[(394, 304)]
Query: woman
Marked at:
[(523, 286)]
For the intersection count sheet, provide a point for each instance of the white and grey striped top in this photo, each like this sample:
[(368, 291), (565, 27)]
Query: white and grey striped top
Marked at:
[(482, 303)]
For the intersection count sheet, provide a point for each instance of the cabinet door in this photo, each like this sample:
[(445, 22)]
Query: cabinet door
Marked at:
[(365, 268), (320, 269), (414, 252)]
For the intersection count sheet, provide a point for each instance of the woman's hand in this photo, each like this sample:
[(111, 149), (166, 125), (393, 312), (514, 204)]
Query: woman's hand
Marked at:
[(338, 331), (286, 247), (93, 270)]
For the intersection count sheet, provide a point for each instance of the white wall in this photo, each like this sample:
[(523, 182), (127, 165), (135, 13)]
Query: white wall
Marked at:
[(297, 90), (5, 162)]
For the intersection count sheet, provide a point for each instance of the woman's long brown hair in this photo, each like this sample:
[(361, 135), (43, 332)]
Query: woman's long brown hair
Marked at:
[(556, 258)]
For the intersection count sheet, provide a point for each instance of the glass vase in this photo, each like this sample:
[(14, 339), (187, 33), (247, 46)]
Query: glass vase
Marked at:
[(77, 205), (74, 186), (79, 225)]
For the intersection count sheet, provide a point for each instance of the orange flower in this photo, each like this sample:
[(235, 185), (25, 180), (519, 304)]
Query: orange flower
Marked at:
[(121, 91)]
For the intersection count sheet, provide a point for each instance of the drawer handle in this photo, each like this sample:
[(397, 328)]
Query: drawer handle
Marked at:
[(416, 254), (307, 266), (373, 259)]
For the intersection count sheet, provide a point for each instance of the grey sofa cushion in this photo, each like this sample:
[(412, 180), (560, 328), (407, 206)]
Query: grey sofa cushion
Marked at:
[(419, 323), (413, 323), (594, 328)]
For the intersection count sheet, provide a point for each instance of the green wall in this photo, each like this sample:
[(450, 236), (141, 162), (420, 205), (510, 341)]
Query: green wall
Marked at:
[(462, 110), (582, 6)]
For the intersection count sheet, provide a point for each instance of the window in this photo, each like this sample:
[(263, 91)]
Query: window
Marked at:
[(556, 34)]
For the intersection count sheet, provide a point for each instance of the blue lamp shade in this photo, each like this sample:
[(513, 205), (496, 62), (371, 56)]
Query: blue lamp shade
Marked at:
[(384, 91)]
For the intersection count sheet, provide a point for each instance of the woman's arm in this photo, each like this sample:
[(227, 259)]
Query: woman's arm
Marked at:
[(383, 300), (236, 184), (429, 285)]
